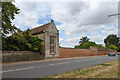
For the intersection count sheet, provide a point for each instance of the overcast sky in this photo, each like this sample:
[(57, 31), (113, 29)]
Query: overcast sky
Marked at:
[(73, 19)]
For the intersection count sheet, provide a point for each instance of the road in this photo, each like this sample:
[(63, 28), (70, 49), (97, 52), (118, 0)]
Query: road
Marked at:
[(46, 68)]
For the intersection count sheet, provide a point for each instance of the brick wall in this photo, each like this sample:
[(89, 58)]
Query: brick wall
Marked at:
[(72, 52)]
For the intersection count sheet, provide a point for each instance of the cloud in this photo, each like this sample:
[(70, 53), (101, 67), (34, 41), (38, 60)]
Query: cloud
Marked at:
[(83, 17), (110, 30), (61, 39), (30, 13), (77, 18)]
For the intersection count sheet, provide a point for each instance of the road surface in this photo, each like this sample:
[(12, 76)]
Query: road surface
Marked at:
[(46, 68)]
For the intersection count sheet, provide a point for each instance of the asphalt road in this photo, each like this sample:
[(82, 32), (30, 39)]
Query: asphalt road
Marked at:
[(46, 68)]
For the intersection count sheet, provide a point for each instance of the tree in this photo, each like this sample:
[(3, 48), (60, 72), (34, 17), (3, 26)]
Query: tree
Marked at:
[(87, 45), (37, 44), (83, 40), (8, 13), (16, 42), (23, 42), (111, 40), (119, 47), (113, 47), (100, 46)]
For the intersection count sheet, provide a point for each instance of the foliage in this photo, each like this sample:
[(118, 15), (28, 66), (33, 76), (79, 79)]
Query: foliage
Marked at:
[(87, 45), (14, 43), (8, 13), (113, 47), (83, 40), (78, 46), (36, 44), (119, 47), (100, 46), (22, 42), (111, 40)]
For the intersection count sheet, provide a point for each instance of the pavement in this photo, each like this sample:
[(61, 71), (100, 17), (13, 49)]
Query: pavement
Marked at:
[(43, 68)]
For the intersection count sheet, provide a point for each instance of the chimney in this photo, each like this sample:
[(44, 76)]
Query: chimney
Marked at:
[(52, 21)]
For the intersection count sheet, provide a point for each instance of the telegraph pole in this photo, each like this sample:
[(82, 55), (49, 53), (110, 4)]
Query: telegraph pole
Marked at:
[(118, 25), (113, 15)]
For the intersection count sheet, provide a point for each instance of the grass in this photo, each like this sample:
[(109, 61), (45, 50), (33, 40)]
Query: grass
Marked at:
[(105, 64), (105, 70)]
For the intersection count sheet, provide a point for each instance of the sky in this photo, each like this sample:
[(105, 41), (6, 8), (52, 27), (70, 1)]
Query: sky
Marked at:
[(72, 19)]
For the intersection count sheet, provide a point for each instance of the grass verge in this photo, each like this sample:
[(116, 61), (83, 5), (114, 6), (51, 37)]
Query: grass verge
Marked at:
[(105, 70)]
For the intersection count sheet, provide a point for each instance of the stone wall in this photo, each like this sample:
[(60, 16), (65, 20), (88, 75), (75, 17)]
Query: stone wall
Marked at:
[(15, 56), (72, 52)]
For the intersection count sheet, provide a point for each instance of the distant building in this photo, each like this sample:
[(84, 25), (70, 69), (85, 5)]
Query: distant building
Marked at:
[(50, 34)]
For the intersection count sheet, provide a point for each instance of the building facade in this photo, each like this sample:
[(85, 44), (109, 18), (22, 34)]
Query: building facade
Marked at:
[(50, 34)]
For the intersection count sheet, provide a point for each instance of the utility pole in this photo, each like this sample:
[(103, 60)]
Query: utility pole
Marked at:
[(113, 15), (118, 32)]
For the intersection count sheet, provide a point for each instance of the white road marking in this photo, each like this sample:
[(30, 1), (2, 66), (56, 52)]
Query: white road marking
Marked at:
[(59, 63), (7, 71), (63, 62), (30, 67), (52, 64), (24, 68), (17, 69)]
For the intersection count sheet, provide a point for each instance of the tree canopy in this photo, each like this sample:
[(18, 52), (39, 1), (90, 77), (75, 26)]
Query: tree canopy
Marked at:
[(83, 40), (111, 40), (84, 43), (87, 45), (8, 14), (23, 42)]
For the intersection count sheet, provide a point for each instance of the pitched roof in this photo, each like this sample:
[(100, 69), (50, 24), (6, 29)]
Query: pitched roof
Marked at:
[(39, 29)]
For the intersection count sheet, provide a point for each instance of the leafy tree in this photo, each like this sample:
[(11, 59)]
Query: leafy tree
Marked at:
[(8, 13), (113, 47), (83, 40), (23, 42), (17, 42), (119, 47), (100, 46), (78, 46), (27, 34), (87, 45), (111, 40), (37, 44)]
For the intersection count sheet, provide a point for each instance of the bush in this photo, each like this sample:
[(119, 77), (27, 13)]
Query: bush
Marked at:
[(113, 47), (86, 45), (23, 42)]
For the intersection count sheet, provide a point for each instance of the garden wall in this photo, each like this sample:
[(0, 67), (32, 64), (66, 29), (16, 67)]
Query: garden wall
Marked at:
[(73, 52), (15, 56)]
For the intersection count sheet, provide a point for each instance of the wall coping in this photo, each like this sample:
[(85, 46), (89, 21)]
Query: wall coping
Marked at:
[(73, 48)]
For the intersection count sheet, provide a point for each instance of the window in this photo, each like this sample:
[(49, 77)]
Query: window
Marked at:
[(52, 45)]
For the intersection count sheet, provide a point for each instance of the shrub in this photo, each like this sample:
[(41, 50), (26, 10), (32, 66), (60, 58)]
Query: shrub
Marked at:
[(23, 42)]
